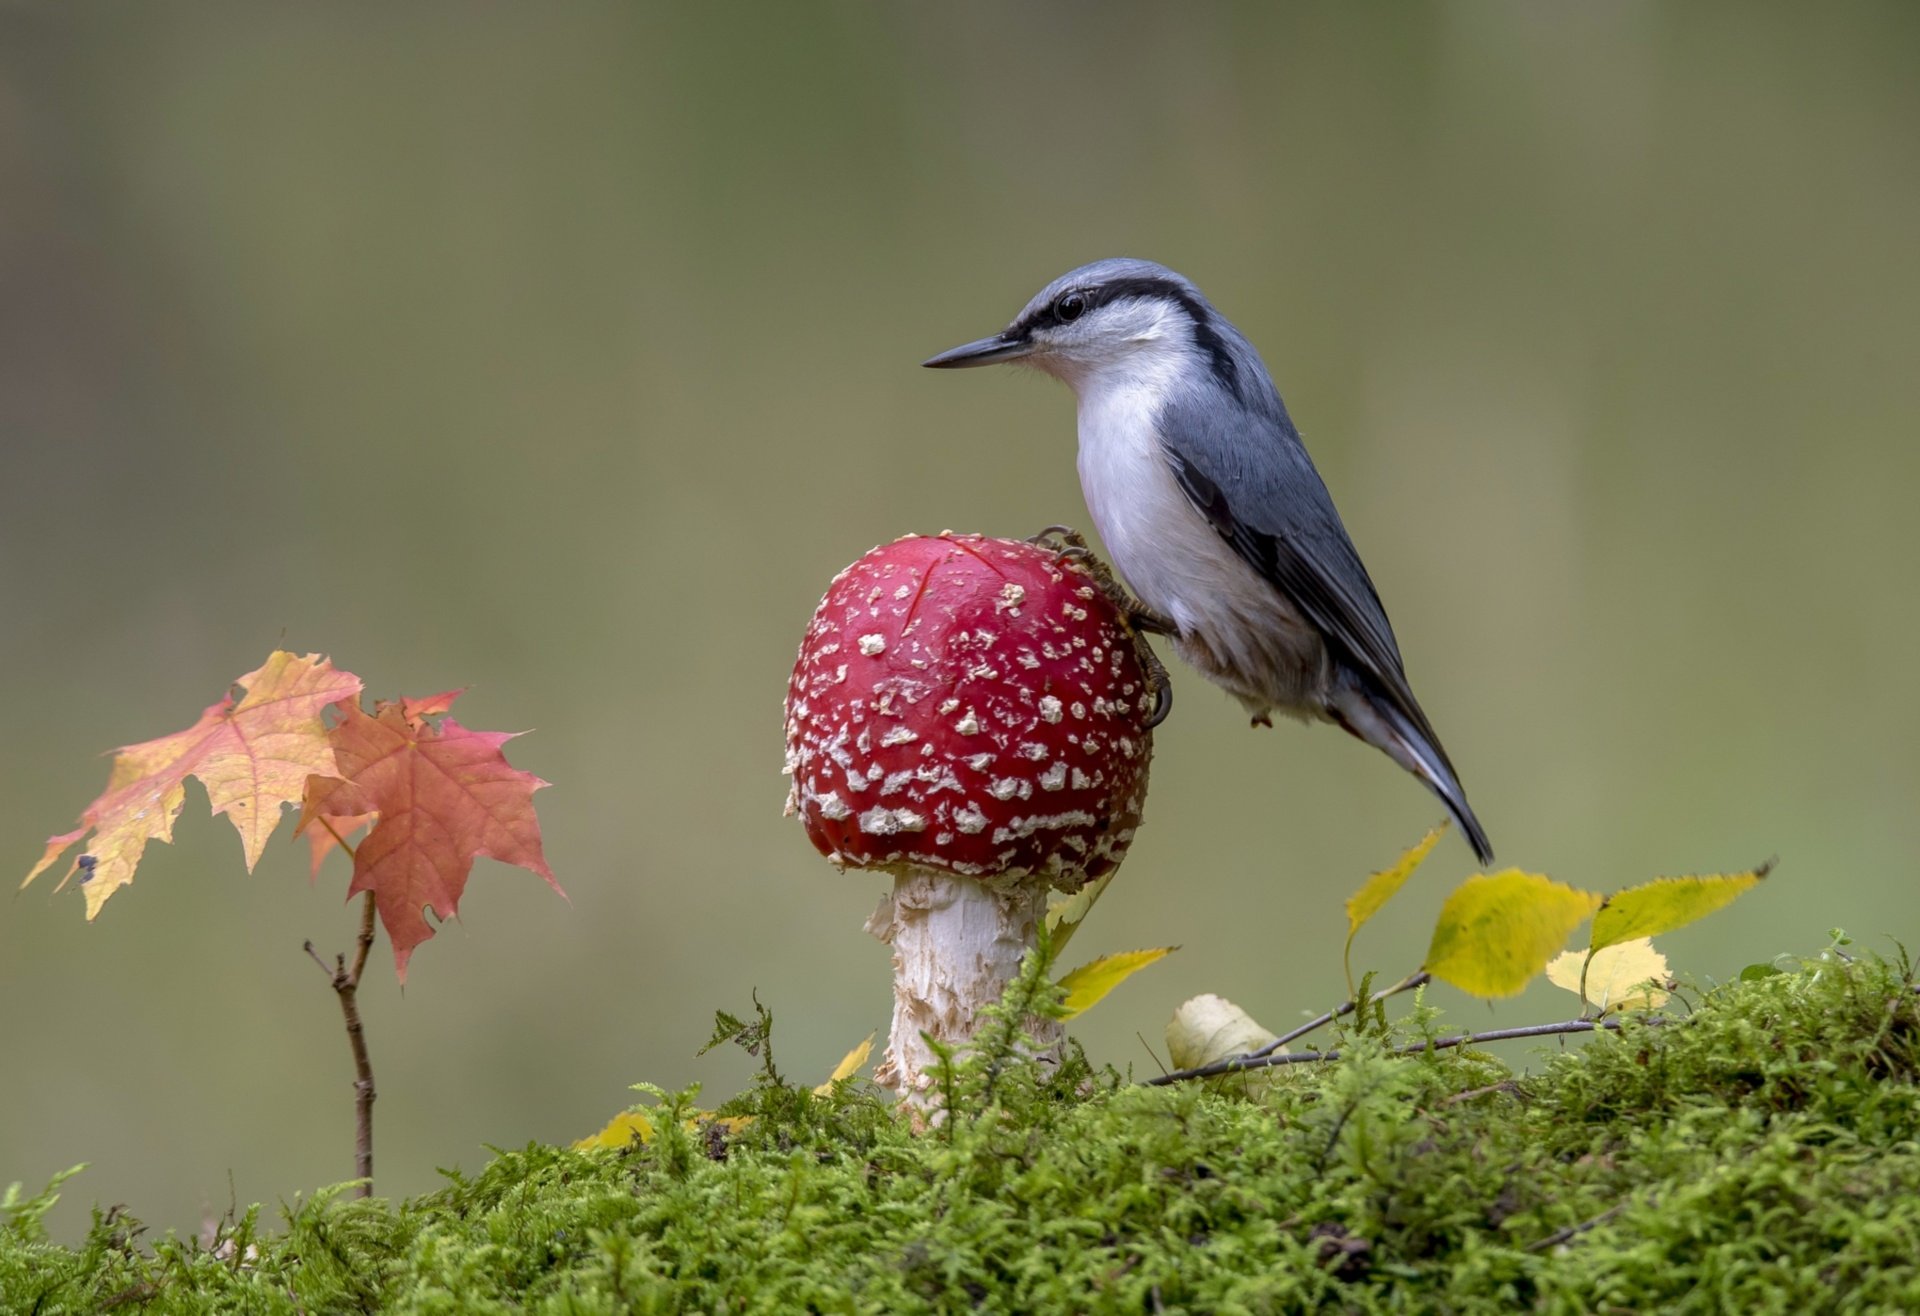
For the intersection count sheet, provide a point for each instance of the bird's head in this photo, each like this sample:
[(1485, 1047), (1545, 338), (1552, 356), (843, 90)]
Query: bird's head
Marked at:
[(1096, 318)]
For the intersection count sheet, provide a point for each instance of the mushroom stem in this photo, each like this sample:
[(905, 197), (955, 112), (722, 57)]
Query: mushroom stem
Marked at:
[(957, 942)]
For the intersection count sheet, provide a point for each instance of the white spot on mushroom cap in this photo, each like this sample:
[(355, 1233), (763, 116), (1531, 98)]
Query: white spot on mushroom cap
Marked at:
[(969, 724), (1055, 777), (873, 644), (832, 806), (1021, 828), (882, 821), (1049, 708), (970, 819)]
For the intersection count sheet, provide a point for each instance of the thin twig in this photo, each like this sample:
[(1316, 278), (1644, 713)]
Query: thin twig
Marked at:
[(1471, 1094), (1235, 1064), (366, 939), (1151, 1053), (1408, 983), (315, 955), (346, 986), (348, 989), (1559, 1236)]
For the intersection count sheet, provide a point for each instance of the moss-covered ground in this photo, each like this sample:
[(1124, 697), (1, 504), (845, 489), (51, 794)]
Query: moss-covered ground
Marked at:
[(1757, 1152)]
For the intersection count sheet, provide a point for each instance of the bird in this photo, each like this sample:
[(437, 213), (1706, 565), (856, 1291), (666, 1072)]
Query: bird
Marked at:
[(1213, 513)]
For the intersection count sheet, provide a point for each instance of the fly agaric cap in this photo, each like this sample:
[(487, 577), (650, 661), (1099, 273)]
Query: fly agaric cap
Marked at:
[(972, 716), (969, 705)]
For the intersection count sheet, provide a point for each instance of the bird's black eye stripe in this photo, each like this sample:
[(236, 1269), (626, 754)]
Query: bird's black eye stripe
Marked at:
[(1055, 313)]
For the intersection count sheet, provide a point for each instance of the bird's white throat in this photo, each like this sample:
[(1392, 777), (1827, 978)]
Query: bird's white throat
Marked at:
[(1161, 546)]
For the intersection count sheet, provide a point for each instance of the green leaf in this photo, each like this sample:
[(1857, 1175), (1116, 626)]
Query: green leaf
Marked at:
[(1498, 930), (1377, 890), (1087, 985), (1667, 903), (1065, 914)]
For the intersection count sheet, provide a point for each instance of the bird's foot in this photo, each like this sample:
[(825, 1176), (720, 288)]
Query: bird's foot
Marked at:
[(1158, 682), (1068, 544)]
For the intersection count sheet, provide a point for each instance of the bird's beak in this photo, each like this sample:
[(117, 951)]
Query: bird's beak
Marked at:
[(984, 352)]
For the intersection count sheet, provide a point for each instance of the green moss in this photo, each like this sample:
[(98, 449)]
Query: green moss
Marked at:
[(1760, 1153)]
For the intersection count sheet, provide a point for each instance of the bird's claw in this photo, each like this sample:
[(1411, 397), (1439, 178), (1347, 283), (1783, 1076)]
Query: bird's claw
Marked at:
[(1065, 542), (1162, 688), (1068, 544)]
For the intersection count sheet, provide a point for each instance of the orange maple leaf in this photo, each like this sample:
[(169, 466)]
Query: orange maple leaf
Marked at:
[(253, 755), (444, 796)]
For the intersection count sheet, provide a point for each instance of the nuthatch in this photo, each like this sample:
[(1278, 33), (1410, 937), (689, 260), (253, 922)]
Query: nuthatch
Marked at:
[(1199, 484)]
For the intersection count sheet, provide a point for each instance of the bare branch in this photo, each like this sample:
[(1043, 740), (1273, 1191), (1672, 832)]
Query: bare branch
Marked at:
[(1559, 1236), (365, 939), (1408, 983), (346, 986), (1238, 1064), (315, 955)]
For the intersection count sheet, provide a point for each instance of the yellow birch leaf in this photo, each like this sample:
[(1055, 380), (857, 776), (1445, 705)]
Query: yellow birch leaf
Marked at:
[(1209, 1028), (634, 1126), (1377, 890), (628, 1126), (1065, 914), (1497, 930), (1625, 976), (1087, 985), (849, 1065), (1667, 903)]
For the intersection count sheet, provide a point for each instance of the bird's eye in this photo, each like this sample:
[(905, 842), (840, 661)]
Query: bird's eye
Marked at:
[(1069, 307)]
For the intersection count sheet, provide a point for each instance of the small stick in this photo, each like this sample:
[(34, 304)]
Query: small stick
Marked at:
[(1420, 979), (1471, 1093), (346, 985), (1559, 1236), (1236, 1064)]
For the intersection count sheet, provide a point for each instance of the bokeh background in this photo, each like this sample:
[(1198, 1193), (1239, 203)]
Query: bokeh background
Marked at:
[(566, 352)]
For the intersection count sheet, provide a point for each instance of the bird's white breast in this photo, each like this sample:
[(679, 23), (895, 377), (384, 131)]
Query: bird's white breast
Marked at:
[(1168, 554), (1234, 624)]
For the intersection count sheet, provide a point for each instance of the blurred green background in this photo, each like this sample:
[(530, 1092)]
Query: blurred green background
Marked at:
[(566, 352)]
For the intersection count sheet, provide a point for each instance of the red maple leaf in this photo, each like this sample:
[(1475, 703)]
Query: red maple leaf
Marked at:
[(444, 796), (323, 840), (253, 754)]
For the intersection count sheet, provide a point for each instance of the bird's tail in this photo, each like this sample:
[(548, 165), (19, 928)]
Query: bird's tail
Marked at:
[(1409, 742)]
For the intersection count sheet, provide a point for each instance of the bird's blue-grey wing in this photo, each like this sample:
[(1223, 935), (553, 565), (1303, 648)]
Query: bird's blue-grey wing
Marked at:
[(1259, 490)]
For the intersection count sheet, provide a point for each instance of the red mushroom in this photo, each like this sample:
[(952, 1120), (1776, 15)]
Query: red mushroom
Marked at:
[(973, 716)]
